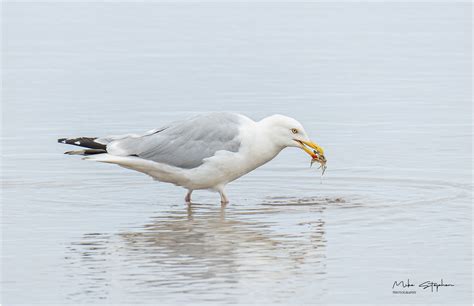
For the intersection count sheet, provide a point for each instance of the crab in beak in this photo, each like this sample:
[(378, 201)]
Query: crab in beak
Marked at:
[(315, 151)]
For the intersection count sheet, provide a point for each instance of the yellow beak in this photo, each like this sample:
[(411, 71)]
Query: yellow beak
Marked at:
[(316, 153)]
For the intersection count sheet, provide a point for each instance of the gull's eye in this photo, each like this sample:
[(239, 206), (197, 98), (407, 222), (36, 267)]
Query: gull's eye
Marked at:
[(294, 131)]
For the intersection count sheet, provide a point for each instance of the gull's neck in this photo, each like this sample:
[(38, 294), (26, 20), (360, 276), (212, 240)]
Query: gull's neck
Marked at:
[(266, 130), (258, 145), (265, 143)]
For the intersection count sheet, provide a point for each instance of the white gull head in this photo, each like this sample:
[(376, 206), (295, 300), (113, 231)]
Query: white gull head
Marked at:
[(284, 131)]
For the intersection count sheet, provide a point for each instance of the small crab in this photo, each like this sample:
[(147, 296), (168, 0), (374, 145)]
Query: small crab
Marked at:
[(319, 158)]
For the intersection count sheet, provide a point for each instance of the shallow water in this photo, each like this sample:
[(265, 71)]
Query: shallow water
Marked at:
[(384, 88)]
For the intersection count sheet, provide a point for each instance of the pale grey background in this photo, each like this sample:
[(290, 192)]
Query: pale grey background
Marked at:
[(385, 88)]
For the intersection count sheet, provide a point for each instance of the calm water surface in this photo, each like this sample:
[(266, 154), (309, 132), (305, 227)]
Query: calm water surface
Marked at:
[(384, 88)]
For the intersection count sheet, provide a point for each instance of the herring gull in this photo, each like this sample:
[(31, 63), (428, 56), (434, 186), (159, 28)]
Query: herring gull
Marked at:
[(207, 151)]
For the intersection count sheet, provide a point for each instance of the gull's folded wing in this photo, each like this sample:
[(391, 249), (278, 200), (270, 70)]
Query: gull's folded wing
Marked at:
[(183, 144)]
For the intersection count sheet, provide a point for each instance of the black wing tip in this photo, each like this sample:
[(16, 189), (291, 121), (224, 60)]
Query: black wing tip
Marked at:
[(86, 142), (86, 152)]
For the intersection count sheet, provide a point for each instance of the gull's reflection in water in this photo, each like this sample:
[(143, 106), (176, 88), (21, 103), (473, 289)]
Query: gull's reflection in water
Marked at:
[(207, 253)]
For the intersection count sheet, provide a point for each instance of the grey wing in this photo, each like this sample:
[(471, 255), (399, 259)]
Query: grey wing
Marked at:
[(183, 144)]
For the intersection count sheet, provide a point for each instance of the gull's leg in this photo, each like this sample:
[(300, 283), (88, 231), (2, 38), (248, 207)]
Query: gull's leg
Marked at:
[(187, 198), (224, 199)]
